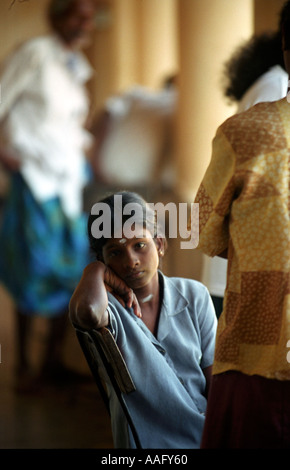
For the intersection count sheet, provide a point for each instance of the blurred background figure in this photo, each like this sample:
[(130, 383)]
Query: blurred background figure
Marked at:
[(134, 138), (43, 113), (254, 73)]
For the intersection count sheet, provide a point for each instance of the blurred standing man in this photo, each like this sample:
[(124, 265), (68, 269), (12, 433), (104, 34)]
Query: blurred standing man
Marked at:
[(244, 215), (43, 142)]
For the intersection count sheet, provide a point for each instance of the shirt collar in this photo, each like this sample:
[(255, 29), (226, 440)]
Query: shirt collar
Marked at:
[(173, 300), (173, 303), (82, 68)]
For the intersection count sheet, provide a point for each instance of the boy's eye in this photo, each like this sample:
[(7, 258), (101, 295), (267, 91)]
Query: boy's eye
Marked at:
[(113, 253), (140, 244)]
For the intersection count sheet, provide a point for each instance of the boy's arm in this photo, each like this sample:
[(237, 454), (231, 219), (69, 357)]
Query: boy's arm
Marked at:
[(89, 302)]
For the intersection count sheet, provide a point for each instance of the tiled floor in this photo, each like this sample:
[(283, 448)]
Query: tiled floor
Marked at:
[(53, 418)]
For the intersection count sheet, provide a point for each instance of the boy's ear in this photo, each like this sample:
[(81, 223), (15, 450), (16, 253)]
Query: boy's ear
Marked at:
[(160, 244)]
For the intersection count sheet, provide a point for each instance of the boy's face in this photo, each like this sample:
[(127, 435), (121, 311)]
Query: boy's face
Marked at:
[(135, 260)]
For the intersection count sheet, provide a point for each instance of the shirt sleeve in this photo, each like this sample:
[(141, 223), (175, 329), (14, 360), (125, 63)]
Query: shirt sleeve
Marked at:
[(207, 325), (15, 75), (113, 325), (215, 197)]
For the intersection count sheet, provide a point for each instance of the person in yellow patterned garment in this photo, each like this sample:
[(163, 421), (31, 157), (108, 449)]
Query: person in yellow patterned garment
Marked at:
[(244, 205)]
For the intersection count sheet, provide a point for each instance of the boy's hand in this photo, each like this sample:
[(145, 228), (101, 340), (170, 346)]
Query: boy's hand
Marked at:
[(119, 289)]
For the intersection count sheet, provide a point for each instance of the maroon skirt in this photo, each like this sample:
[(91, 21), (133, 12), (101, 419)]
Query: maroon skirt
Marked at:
[(247, 412)]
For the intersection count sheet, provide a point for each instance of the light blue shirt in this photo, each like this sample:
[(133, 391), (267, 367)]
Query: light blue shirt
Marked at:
[(168, 407)]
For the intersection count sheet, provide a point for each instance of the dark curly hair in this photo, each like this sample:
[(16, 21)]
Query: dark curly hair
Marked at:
[(249, 61)]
